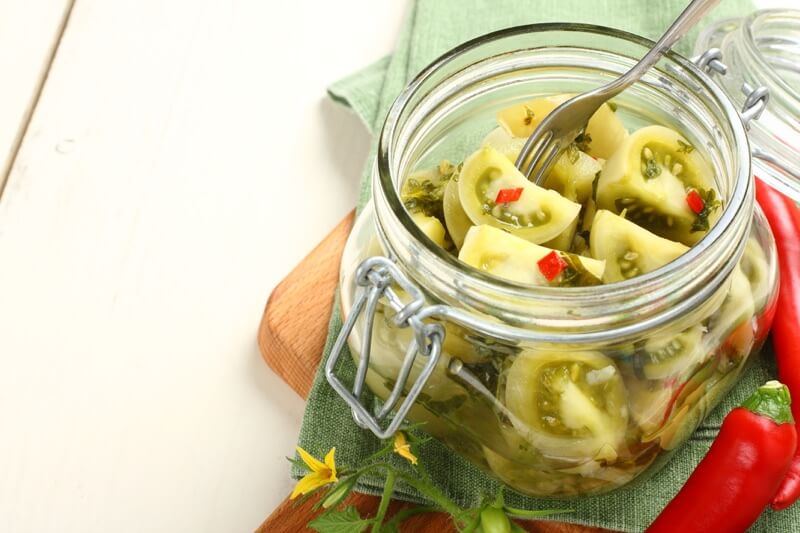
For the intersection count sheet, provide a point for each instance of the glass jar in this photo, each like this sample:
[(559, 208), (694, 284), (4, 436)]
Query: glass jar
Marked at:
[(555, 391), (763, 49)]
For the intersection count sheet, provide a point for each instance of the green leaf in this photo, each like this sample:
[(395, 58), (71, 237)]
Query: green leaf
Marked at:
[(345, 521)]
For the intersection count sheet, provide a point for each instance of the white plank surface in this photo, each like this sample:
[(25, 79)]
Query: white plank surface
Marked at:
[(29, 33), (181, 160)]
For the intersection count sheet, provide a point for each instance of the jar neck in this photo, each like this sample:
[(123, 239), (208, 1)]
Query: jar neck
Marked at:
[(459, 81)]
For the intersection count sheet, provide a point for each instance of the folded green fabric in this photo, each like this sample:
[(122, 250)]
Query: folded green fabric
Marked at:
[(433, 27)]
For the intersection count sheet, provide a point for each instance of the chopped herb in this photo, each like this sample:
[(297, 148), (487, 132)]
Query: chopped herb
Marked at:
[(710, 204), (613, 106), (684, 148), (583, 141), (595, 182), (529, 116), (425, 195), (573, 153), (575, 274), (652, 169)]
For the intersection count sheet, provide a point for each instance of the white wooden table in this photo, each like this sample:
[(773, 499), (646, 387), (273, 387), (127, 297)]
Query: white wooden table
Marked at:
[(167, 162)]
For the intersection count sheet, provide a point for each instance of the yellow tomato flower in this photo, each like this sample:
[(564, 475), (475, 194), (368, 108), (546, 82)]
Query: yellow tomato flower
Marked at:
[(321, 473), (403, 448)]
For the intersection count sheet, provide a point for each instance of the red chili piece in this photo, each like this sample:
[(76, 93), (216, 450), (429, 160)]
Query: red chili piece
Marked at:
[(552, 265), (695, 202), (505, 196), (784, 219), (742, 470)]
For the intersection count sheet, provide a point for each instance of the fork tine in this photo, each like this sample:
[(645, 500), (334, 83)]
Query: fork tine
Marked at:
[(531, 152), (547, 163)]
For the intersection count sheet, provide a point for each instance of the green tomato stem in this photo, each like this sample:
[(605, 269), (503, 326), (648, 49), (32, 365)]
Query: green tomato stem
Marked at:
[(385, 499)]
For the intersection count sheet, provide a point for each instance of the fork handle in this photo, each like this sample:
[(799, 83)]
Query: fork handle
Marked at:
[(690, 16)]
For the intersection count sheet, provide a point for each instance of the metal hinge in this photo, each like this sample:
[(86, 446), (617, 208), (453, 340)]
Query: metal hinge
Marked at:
[(756, 99), (374, 279)]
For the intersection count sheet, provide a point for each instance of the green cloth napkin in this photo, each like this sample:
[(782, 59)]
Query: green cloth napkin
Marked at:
[(433, 27)]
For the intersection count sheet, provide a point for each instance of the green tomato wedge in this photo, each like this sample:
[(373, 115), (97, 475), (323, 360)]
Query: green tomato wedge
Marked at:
[(538, 215), (754, 266), (649, 177), (568, 405), (737, 307), (431, 227), (628, 249), (572, 174), (604, 132), (671, 354), (506, 256), (458, 223), (505, 143)]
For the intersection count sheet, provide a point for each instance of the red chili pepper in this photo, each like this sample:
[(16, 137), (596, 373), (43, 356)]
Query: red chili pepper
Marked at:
[(505, 196), (784, 219), (736, 480), (695, 201), (552, 265)]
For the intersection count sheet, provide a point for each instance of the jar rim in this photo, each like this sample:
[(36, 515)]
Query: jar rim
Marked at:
[(737, 200)]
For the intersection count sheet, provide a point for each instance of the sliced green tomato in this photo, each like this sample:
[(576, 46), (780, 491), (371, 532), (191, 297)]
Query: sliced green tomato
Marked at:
[(628, 249), (573, 174), (649, 177), (456, 345), (539, 215), (605, 130), (505, 143), (431, 227), (691, 402), (649, 402), (755, 268), (737, 308), (521, 119), (671, 354), (509, 257), (458, 223), (564, 241), (569, 405)]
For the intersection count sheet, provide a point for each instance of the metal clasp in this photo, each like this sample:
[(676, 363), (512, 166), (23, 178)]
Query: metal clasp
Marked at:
[(710, 62), (756, 99), (374, 278)]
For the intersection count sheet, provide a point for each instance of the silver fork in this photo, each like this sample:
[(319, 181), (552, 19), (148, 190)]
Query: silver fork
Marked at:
[(560, 128)]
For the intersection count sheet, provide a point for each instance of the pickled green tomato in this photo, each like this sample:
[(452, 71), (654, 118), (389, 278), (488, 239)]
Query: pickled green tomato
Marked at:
[(648, 178), (539, 214), (628, 249), (605, 129), (569, 405), (502, 254), (457, 221), (754, 266)]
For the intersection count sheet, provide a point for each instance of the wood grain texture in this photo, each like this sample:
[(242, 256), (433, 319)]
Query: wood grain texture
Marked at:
[(291, 339)]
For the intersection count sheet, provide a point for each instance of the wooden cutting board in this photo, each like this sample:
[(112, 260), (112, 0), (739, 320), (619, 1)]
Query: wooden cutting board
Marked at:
[(291, 339)]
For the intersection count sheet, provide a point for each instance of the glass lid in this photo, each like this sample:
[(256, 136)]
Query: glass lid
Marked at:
[(758, 57)]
